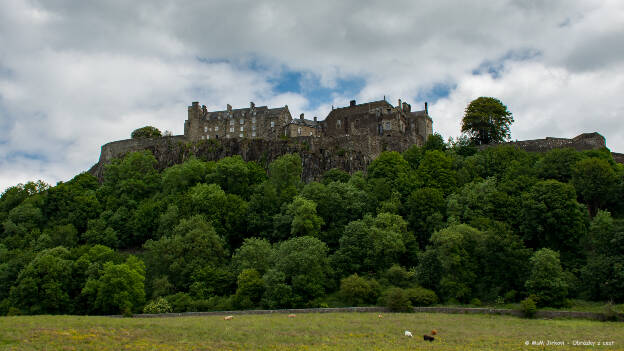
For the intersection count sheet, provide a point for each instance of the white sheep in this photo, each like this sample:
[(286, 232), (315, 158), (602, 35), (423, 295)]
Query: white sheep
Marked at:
[(408, 333)]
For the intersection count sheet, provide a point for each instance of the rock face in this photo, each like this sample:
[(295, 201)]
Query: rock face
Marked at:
[(349, 153), (318, 155)]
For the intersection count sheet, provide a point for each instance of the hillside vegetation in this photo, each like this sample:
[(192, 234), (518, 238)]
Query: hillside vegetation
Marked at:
[(441, 223)]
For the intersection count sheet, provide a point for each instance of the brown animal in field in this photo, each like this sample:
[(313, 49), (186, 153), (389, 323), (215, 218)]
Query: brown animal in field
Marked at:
[(292, 315), (428, 338), (227, 318), (380, 316), (434, 332)]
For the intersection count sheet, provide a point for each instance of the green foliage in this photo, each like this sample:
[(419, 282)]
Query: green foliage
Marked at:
[(528, 307), (552, 218), (358, 291), (145, 132), (397, 300), (558, 164), (335, 175), (305, 221), (398, 276), (371, 244), (547, 279), (425, 210), (160, 305), (435, 142), (179, 178), (250, 289), (304, 263), (486, 120), (435, 171), (119, 289), (253, 253), (595, 182), (420, 296)]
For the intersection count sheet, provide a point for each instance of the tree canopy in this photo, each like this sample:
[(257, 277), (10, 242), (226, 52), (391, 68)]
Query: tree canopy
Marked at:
[(486, 120)]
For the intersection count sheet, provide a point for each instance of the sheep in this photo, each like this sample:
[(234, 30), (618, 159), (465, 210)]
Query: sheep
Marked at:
[(292, 315), (227, 318), (434, 332), (428, 338), (408, 333), (380, 316)]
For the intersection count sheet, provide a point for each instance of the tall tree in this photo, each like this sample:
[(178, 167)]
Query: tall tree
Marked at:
[(486, 120)]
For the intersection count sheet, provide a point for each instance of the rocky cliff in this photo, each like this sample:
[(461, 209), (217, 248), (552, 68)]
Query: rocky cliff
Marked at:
[(349, 153)]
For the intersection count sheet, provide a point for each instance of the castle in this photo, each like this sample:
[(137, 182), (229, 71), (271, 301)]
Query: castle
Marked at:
[(376, 119)]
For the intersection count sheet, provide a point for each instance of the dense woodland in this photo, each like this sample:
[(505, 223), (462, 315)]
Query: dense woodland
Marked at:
[(441, 223)]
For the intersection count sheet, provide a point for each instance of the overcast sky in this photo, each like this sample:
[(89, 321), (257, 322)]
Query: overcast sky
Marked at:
[(77, 74)]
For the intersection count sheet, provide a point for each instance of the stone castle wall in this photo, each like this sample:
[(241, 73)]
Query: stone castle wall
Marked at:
[(583, 142), (349, 153)]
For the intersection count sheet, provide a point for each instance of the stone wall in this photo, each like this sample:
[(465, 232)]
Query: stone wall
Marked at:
[(586, 141), (318, 155), (452, 310)]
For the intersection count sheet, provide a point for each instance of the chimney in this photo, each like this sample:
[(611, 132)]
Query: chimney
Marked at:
[(314, 118), (352, 103), (426, 108), (229, 108), (252, 105), (399, 105), (405, 106), (301, 116), (195, 104)]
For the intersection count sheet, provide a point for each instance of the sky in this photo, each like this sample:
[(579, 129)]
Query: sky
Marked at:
[(77, 74)]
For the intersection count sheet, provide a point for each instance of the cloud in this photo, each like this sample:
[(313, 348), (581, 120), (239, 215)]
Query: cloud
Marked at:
[(74, 76)]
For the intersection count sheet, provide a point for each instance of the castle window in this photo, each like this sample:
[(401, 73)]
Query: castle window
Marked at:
[(241, 129), (205, 129), (253, 127), (207, 137), (253, 134), (231, 129), (338, 124), (254, 113), (299, 130), (310, 133), (227, 136), (272, 124), (216, 129), (231, 122), (253, 119), (203, 137), (242, 121), (387, 126), (240, 135)]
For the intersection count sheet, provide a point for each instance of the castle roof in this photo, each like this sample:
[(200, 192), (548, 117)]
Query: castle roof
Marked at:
[(304, 122), (359, 109), (261, 111)]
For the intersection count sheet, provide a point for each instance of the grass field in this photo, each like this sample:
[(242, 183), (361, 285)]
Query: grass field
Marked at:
[(330, 331)]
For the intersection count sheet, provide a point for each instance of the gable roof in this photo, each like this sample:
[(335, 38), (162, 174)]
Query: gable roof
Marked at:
[(358, 109)]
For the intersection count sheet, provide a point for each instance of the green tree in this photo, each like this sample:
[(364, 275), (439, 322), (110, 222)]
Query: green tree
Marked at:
[(335, 175), (558, 164), (305, 221), (120, 288), (253, 253), (425, 210), (552, 218), (193, 245), (129, 180), (595, 182), (285, 175), (146, 132), (303, 260), (435, 171), (179, 178), (43, 285), (435, 142), (547, 278), (250, 289), (486, 120), (358, 291)]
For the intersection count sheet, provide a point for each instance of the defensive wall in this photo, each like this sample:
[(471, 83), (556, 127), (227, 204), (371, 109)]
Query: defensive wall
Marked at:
[(349, 153)]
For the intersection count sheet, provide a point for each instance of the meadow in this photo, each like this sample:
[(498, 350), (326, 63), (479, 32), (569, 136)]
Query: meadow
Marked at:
[(313, 331)]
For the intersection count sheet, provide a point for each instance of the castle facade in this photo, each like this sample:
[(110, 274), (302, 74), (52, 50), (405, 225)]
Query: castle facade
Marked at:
[(375, 119)]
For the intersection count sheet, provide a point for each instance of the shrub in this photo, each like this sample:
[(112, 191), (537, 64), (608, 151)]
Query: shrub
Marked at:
[(145, 132), (355, 290), (397, 300), (160, 305), (475, 302), (547, 280), (13, 311), (510, 296), (398, 276), (422, 297), (528, 307)]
